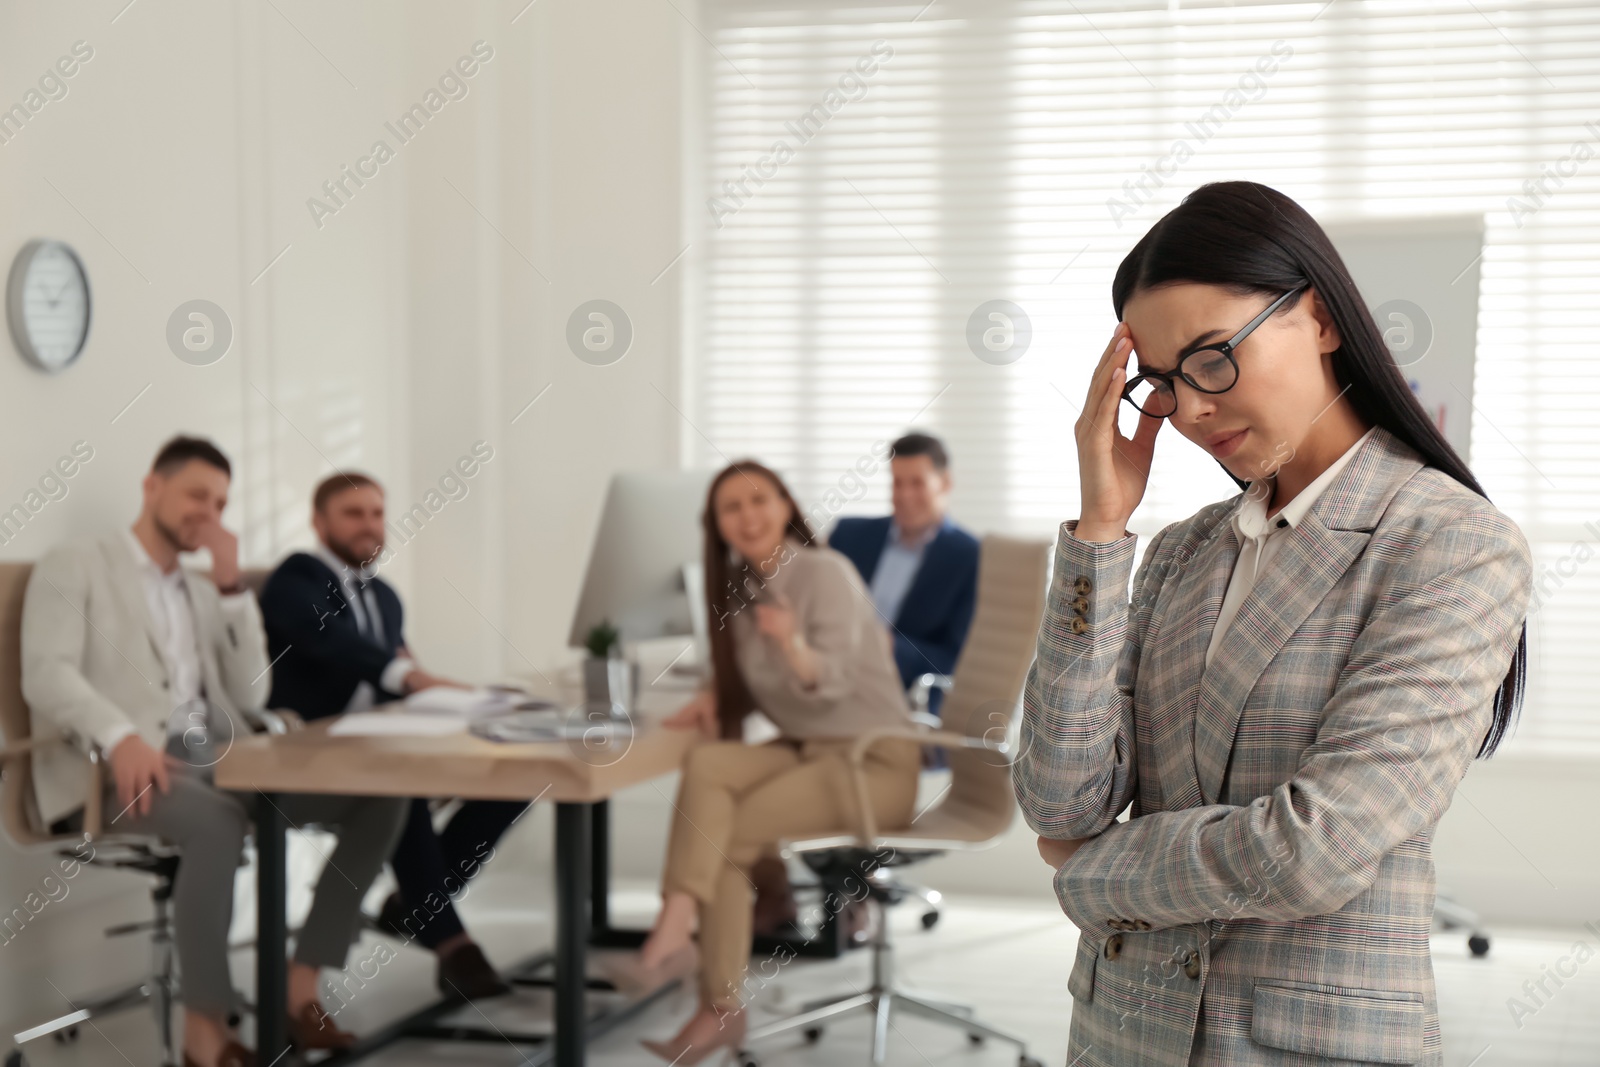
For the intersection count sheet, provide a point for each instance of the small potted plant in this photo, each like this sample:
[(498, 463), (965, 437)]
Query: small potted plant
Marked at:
[(609, 680)]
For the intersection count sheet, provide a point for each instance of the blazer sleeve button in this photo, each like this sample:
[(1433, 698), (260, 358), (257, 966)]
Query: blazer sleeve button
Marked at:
[(1078, 624), (1113, 946), (1140, 924), (1080, 606), (1083, 586)]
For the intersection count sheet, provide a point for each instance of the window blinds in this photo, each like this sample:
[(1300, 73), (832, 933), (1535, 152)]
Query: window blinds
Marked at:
[(881, 180)]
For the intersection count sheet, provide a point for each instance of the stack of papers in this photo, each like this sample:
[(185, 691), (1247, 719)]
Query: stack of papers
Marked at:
[(396, 724), (468, 704), (554, 725), (435, 712)]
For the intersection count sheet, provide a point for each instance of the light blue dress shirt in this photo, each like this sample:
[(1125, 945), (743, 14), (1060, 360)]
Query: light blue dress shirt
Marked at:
[(897, 568)]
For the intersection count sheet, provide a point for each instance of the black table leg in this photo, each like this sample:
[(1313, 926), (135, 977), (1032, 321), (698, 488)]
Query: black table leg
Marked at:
[(272, 967), (572, 930), (600, 867)]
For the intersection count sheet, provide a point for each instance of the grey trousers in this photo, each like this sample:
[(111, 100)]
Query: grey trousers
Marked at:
[(209, 826)]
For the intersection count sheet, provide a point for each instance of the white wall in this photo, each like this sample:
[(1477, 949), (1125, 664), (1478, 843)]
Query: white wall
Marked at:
[(407, 327)]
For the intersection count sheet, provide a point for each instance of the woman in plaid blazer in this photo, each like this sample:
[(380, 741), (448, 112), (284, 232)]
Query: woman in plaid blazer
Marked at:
[(1270, 898)]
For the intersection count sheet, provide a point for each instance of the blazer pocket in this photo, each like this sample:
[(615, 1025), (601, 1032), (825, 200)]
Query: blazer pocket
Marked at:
[(1080, 983), (1368, 1025)]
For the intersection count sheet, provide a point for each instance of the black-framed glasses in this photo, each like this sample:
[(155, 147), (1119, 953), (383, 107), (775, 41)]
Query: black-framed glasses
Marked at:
[(1209, 368)]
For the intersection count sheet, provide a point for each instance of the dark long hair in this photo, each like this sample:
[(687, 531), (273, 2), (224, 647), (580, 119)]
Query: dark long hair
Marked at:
[(1251, 239), (730, 586)]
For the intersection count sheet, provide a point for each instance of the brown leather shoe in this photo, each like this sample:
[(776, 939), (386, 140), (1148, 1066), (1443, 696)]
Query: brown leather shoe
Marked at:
[(314, 1028), (233, 1055), (465, 974)]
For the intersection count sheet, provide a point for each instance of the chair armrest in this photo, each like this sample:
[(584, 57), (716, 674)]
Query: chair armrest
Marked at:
[(274, 721), (92, 801), (923, 685), (858, 755), (942, 738), (18, 749)]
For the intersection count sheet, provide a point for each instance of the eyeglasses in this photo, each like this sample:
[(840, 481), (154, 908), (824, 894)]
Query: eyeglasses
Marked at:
[(1210, 369)]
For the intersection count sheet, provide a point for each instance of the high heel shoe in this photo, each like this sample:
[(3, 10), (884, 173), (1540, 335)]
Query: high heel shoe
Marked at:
[(729, 1037), (632, 978)]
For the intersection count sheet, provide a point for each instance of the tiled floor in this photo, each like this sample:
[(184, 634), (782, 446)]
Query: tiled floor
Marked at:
[(1008, 959)]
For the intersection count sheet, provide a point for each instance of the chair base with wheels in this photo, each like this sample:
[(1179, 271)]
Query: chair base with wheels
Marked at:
[(1451, 915), (158, 989), (884, 998)]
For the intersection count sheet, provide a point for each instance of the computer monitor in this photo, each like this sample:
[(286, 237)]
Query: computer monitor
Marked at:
[(644, 569)]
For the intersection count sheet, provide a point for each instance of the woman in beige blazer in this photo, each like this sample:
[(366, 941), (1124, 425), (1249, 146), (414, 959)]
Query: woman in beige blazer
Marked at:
[(1304, 673), (795, 634)]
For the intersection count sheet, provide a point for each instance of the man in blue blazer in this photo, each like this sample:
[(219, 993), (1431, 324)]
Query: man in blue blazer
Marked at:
[(335, 632), (921, 567)]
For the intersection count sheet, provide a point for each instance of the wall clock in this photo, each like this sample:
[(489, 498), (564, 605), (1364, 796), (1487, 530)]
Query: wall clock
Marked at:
[(47, 304)]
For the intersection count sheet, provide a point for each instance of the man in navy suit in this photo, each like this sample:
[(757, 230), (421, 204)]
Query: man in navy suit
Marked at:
[(922, 568), (335, 634)]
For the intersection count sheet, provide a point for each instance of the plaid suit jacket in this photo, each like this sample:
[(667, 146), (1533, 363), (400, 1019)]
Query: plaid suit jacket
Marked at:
[(1270, 898)]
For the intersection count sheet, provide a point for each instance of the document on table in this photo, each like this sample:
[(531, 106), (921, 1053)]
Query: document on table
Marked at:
[(470, 704), (396, 724), (463, 703), (434, 712)]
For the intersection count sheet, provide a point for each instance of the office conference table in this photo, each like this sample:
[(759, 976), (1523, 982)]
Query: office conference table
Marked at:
[(578, 777)]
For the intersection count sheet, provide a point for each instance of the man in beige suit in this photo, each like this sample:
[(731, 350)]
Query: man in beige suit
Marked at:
[(156, 668)]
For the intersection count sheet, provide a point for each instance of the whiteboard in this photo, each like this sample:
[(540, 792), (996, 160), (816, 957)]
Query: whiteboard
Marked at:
[(1419, 277)]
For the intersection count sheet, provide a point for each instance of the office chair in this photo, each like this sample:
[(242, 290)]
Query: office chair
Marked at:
[(919, 694), (1450, 914), (19, 815), (828, 878), (974, 813)]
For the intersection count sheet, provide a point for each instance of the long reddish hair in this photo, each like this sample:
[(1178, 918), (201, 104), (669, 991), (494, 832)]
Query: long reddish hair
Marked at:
[(730, 586)]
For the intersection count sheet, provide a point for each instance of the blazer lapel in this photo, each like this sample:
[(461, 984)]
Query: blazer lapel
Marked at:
[(389, 610), (1181, 630), (206, 626), (129, 584), (1309, 562)]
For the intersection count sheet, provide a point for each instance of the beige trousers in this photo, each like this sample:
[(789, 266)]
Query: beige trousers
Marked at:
[(736, 800)]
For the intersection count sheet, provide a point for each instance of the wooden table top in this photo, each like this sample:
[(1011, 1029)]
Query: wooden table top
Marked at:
[(456, 765)]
